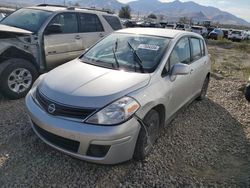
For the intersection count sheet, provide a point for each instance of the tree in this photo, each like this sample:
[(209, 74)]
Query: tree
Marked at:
[(152, 16), (125, 12)]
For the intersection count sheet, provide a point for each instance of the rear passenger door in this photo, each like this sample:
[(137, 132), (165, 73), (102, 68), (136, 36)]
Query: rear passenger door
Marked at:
[(198, 64), (91, 29), (64, 46)]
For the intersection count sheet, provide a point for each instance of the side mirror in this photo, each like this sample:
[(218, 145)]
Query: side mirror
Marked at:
[(54, 29), (180, 69)]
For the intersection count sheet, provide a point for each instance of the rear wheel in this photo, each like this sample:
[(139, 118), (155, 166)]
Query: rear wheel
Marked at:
[(148, 135), (204, 89), (17, 78)]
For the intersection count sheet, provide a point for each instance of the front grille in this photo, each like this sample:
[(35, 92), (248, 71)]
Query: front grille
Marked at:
[(64, 143), (62, 110)]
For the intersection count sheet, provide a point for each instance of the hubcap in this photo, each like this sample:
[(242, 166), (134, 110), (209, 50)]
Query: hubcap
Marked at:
[(19, 80)]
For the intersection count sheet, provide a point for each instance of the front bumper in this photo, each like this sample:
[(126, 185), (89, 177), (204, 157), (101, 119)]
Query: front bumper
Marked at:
[(121, 139)]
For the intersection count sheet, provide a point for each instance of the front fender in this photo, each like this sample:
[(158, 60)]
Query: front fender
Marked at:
[(13, 48)]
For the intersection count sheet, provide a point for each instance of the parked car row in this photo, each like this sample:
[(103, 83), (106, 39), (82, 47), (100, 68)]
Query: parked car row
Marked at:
[(207, 32), (231, 34)]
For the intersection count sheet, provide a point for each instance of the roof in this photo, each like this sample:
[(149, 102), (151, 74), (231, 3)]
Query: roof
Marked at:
[(54, 8), (169, 33)]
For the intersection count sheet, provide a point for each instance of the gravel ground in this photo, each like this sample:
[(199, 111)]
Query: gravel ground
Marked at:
[(208, 144)]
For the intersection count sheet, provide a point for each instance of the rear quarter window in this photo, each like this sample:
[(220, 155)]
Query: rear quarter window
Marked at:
[(113, 21), (196, 48), (202, 47), (90, 23)]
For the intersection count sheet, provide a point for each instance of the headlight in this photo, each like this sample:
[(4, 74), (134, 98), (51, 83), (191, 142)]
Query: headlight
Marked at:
[(115, 113)]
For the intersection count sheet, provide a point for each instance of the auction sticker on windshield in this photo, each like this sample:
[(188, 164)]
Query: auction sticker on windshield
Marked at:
[(148, 47)]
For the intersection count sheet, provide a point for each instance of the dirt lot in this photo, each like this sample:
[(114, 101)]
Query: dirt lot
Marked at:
[(207, 145)]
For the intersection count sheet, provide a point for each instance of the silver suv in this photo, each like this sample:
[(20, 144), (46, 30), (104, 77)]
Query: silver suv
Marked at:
[(109, 105), (36, 39)]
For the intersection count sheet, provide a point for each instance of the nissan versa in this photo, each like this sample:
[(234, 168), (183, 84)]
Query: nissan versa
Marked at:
[(109, 105)]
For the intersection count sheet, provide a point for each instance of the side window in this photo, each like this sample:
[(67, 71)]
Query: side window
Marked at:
[(202, 47), (196, 48), (180, 53), (68, 22), (90, 23), (113, 22)]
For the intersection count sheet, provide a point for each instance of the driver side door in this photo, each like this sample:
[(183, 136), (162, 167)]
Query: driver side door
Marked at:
[(61, 47), (180, 91)]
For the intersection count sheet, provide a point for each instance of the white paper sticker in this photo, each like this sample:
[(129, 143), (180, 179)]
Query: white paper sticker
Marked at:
[(148, 47)]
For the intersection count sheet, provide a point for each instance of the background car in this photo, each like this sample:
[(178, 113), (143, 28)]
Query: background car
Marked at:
[(209, 29), (216, 34), (39, 38), (237, 35), (110, 104), (184, 27), (200, 30), (171, 25)]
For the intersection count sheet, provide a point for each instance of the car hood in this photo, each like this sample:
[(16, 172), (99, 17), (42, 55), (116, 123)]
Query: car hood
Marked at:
[(10, 29), (84, 85)]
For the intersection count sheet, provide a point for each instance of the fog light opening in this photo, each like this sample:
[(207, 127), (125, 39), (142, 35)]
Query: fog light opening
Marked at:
[(97, 150)]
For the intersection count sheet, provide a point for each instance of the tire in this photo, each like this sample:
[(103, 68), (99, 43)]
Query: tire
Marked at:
[(204, 88), (17, 78), (247, 93), (145, 143)]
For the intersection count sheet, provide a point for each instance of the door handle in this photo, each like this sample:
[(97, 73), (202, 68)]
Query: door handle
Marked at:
[(101, 35), (52, 52), (77, 37)]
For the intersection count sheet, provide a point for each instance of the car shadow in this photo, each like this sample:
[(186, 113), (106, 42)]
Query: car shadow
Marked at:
[(203, 145)]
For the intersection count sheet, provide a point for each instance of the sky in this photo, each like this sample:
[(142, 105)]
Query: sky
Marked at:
[(240, 8)]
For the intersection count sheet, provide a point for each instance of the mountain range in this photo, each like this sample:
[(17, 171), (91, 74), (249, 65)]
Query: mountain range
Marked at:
[(175, 9)]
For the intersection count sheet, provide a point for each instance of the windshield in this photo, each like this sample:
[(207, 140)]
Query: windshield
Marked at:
[(236, 32), (217, 30), (28, 19), (129, 52)]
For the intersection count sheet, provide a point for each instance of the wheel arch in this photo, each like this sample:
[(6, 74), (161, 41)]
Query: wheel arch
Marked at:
[(208, 75), (16, 53), (160, 108)]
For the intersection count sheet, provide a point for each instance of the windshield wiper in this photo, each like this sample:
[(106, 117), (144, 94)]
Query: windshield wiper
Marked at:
[(115, 57), (139, 62)]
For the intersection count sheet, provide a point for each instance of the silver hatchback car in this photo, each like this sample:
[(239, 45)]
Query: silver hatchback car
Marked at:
[(109, 105)]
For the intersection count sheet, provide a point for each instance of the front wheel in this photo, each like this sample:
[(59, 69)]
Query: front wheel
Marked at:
[(204, 89), (148, 134), (17, 78)]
